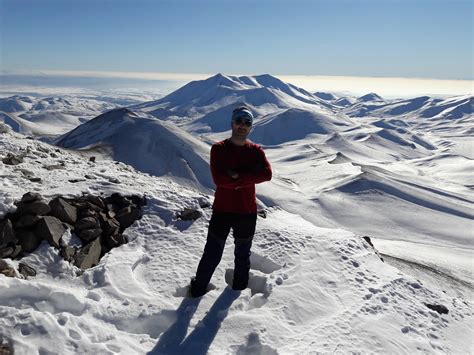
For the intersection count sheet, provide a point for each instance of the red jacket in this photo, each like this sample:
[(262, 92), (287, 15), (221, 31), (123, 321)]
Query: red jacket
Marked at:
[(249, 161)]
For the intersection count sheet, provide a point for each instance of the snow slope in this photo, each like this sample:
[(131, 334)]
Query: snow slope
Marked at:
[(148, 144), (311, 290), (397, 164), (50, 116)]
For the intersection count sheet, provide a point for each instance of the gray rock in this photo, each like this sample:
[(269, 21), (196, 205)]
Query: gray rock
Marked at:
[(54, 167), (28, 240), (26, 270), (76, 180), (12, 159), (87, 223), (109, 226), (6, 252), (113, 241), (89, 255), (96, 200), (126, 216), (51, 229), (7, 270), (63, 210), (7, 234), (190, 214), (39, 208), (4, 128), (26, 221), (68, 253), (89, 234), (16, 252), (438, 308), (31, 196)]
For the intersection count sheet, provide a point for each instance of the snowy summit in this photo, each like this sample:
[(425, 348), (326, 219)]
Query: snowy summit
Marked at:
[(363, 241)]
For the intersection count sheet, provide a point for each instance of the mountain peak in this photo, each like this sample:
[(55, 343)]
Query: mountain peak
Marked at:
[(370, 97)]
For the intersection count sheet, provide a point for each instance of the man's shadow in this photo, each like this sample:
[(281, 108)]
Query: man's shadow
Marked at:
[(200, 339)]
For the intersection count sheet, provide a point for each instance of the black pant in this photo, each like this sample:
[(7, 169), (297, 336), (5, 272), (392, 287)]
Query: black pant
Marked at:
[(243, 227)]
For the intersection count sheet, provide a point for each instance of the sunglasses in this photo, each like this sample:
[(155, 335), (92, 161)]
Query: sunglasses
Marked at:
[(239, 121)]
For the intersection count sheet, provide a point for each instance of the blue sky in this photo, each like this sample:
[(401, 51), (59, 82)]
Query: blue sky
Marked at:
[(381, 38)]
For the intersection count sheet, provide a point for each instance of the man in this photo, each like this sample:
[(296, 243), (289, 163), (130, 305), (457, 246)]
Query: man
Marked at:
[(237, 165)]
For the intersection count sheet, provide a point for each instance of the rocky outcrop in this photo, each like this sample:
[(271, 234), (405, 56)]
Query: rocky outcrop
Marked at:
[(369, 241), (98, 221), (438, 308), (189, 214)]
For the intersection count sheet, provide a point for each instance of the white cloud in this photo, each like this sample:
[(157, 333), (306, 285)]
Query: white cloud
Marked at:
[(387, 87), (155, 82)]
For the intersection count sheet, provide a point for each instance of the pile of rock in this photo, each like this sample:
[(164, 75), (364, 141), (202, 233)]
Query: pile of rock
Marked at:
[(6, 346), (98, 221)]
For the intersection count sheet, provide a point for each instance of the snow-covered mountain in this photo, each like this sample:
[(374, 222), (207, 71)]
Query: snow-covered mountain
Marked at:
[(200, 99), (150, 145), (399, 171), (50, 116), (311, 289)]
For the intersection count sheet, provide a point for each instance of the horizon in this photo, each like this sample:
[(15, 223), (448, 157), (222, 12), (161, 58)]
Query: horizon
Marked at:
[(50, 82)]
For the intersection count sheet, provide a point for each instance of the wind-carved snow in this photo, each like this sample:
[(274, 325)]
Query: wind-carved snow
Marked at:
[(368, 165)]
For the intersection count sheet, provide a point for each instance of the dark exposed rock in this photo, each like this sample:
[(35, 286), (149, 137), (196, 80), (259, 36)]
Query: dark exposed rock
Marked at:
[(25, 172), (6, 269), (4, 128), (117, 199), (89, 234), (7, 234), (6, 252), (51, 229), (97, 221), (110, 226), (76, 180), (26, 221), (87, 223), (87, 213), (26, 270), (68, 253), (113, 241), (139, 201), (63, 210), (369, 241), (189, 214), (90, 177), (54, 167), (16, 252), (6, 346), (12, 159), (28, 240), (438, 308), (89, 255), (39, 208), (126, 216), (84, 205), (96, 200), (92, 159), (34, 179), (31, 196)]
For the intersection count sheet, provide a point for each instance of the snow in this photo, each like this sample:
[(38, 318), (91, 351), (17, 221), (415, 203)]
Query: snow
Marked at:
[(316, 286)]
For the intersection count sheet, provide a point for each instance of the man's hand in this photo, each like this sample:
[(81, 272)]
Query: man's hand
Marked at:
[(232, 174)]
